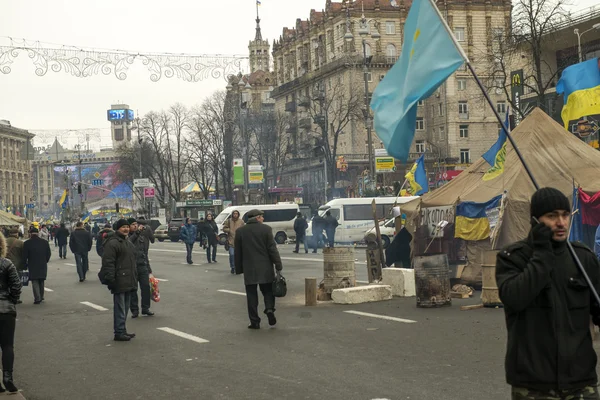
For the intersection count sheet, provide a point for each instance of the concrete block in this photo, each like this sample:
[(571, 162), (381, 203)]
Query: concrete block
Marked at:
[(401, 280), (362, 294)]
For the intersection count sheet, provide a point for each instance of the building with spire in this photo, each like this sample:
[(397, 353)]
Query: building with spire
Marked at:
[(259, 50)]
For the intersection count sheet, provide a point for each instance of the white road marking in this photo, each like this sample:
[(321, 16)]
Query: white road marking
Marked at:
[(364, 314), (95, 306), (162, 280), (70, 265), (183, 335), (48, 290), (231, 292)]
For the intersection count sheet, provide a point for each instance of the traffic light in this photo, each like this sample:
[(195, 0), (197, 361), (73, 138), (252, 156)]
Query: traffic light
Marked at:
[(79, 188), (117, 207)]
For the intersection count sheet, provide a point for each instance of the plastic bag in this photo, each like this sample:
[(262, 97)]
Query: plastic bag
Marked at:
[(154, 292)]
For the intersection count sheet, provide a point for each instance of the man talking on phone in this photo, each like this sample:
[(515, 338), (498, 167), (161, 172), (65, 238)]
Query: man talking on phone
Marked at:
[(548, 304)]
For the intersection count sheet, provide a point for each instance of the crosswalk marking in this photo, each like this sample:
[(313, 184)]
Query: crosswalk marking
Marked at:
[(231, 292), (183, 335), (364, 314), (94, 306)]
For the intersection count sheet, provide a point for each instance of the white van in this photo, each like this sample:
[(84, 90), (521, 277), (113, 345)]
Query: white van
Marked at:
[(280, 217), (355, 216)]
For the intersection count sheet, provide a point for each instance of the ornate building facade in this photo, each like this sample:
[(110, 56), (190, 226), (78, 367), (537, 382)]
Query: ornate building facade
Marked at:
[(15, 168)]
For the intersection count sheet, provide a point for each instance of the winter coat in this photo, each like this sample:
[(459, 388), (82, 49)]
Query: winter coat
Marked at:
[(36, 254), (330, 223), (140, 242), (44, 234), (14, 252), (300, 226), (230, 227), (95, 230), (209, 230), (101, 240), (318, 224), (256, 253), (149, 235), (119, 264), (10, 283), (61, 236), (188, 233), (547, 305), (80, 241)]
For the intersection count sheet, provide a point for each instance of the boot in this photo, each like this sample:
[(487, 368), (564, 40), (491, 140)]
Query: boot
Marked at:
[(7, 379)]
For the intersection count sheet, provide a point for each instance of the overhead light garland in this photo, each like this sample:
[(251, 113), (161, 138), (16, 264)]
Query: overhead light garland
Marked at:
[(85, 62)]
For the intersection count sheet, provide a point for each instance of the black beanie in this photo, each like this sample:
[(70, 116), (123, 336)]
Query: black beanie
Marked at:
[(120, 223), (548, 199), (131, 221)]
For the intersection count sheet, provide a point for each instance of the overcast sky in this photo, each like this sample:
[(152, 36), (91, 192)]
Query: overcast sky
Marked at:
[(61, 101)]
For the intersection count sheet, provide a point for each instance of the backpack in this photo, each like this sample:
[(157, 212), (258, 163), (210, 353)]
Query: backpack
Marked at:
[(101, 241)]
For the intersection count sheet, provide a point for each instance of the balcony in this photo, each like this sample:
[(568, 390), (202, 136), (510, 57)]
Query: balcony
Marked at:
[(303, 102), (290, 106), (463, 115), (305, 123)]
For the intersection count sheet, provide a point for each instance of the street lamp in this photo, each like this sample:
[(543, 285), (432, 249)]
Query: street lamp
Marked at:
[(364, 32), (579, 35), (241, 87)]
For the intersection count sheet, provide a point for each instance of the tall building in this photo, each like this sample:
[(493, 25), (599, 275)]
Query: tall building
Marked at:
[(15, 168), (121, 118), (320, 82)]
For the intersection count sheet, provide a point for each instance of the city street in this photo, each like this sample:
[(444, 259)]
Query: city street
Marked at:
[(197, 345)]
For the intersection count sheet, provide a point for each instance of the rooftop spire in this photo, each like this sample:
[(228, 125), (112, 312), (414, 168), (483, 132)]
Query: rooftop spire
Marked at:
[(258, 33)]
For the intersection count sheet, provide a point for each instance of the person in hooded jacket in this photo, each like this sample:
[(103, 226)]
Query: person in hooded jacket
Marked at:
[(10, 292), (300, 226), (318, 225), (61, 238), (188, 234), (139, 240)]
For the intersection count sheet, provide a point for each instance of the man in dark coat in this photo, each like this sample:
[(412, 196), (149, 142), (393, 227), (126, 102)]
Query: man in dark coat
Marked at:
[(300, 226), (331, 225), (80, 244), (61, 238), (36, 254), (139, 241), (318, 225), (120, 274), (255, 255), (548, 304)]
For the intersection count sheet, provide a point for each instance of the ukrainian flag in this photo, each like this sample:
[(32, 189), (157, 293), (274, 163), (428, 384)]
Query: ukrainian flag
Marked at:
[(471, 219), (429, 56), (86, 218), (417, 177), (496, 155), (64, 199), (580, 86)]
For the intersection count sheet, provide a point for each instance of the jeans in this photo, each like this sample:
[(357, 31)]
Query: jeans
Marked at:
[(144, 282), (232, 258), (330, 237), (252, 299), (62, 250), (38, 290), (214, 252), (189, 247), (318, 238), (121, 303), (303, 240), (7, 340), (82, 264)]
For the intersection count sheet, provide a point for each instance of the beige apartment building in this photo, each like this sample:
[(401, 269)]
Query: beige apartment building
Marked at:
[(15, 168), (318, 65)]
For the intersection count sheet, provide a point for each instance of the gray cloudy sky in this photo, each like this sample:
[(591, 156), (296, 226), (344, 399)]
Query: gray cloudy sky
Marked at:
[(61, 101)]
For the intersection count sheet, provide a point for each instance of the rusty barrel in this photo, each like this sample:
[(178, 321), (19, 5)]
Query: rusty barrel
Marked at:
[(339, 270), (432, 281)]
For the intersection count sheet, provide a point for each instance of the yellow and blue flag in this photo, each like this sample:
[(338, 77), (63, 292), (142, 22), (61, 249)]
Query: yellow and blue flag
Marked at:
[(417, 177), (472, 221), (580, 86), (64, 199), (429, 56), (86, 218), (496, 155)]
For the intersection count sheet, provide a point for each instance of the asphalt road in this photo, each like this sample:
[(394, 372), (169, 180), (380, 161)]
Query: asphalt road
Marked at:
[(64, 348)]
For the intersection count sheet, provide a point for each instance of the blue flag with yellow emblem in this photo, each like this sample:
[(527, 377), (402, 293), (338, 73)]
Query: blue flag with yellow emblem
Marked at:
[(417, 177), (429, 56), (496, 155)]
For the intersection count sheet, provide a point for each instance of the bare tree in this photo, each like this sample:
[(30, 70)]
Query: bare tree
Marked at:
[(201, 165)]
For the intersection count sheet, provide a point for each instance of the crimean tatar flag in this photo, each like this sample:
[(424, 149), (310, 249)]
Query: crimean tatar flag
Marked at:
[(429, 56), (580, 86)]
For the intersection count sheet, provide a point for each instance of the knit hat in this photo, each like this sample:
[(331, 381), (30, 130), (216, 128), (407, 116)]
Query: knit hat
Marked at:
[(254, 213), (131, 221), (548, 199), (120, 223), (33, 229)]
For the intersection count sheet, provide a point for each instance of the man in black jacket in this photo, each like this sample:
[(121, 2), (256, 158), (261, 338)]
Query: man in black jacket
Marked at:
[(140, 241), (36, 254), (61, 239), (119, 273), (255, 255), (300, 226), (548, 304), (80, 244)]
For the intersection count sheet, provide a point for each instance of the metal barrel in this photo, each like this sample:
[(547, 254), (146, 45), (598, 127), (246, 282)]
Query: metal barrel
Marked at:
[(339, 270), (432, 281)]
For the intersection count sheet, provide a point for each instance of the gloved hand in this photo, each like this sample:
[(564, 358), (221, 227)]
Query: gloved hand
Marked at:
[(542, 236)]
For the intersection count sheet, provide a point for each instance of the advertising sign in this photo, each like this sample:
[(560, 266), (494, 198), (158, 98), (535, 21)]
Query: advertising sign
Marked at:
[(238, 171), (516, 90), (255, 177), (385, 164)]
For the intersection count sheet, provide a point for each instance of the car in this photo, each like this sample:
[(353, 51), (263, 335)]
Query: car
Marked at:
[(387, 229), (175, 226), (162, 233)]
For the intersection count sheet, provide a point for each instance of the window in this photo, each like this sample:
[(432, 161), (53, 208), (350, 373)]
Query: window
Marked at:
[(421, 103), (361, 212), (280, 215), (461, 84), (442, 132), (420, 124), (390, 28), (368, 50), (369, 77), (463, 131), (119, 134), (459, 34), (501, 107), (420, 146), (390, 52), (463, 109), (441, 109), (465, 156)]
